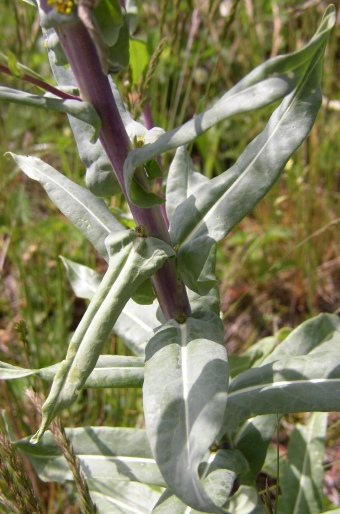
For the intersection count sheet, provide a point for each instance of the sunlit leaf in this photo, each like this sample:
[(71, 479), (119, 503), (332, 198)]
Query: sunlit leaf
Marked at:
[(270, 81), (88, 213), (184, 401), (132, 260), (105, 454)]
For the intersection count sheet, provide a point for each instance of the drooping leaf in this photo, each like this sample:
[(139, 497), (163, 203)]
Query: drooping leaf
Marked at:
[(88, 213), (185, 384), (79, 109), (132, 260), (298, 384), (268, 82), (217, 475), (105, 454), (301, 475), (136, 322), (214, 209)]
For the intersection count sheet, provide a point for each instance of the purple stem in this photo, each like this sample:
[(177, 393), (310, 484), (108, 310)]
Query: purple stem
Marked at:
[(95, 88)]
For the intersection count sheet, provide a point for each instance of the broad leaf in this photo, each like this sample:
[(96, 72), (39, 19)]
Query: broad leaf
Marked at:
[(132, 260), (88, 213), (213, 210), (299, 384), (77, 108), (245, 501), (185, 384), (301, 475), (268, 82), (105, 454), (135, 323), (217, 475)]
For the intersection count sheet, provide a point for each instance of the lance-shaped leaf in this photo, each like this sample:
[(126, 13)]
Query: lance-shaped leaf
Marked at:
[(132, 260), (299, 384), (268, 82), (214, 209), (109, 371), (88, 213), (79, 109), (217, 475), (105, 454), (135, 323), (182, 180), (301, 475), (124, 497), (185, 392), (319, 334)]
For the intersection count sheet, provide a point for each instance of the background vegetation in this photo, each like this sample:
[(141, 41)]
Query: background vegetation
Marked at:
[(278, 268)]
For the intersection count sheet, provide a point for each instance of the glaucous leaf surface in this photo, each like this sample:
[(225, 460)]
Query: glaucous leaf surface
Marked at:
[(298, 384), (268, 82), (124, 497), (319, 334), (301, 474), (182, 180), (136, 322), (185, 393), (105, 454), (77, 108), (131, 260), (211, 212), (87, 212), (217, 475)]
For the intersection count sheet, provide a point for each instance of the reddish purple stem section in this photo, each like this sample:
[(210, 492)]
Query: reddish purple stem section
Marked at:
[(95, 88)]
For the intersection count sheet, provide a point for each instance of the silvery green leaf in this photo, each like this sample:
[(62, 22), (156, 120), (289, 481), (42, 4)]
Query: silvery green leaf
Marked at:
[(268, 82), (136, 322), (182, 180), (214, 209), (124, 497), (131, 260), (109, 371), (298, 384), (301, 474), (9, 372), (245, 501), (217, 474), (319, 334), (88, 213), (105, 454), (184, 401), (77, 108)]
